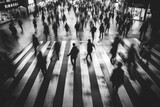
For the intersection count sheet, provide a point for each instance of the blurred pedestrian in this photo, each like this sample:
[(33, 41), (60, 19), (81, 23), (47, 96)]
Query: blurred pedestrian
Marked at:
[(131, 60), (117, 77), (49, 19), (143, 30), (145, 53), (67, 28), (35, 25), (41, 62), (73, 53), (114, 49), (43, 18), (93, 30), (56, 49), (77, 27), (101, 29), (55, 30), (90, 46), (46, 31), (64, 18), (35, 43)]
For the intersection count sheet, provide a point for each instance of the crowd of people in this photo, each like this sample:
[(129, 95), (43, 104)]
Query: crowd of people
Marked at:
[(86, 12)]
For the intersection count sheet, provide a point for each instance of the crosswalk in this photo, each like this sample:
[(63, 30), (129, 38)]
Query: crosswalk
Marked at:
[(87, 86)]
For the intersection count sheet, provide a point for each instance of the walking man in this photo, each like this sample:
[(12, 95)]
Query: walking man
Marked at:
[(90, 46), (57, 49), (35, 43), (93, 30), (73, 53), (41, 61)]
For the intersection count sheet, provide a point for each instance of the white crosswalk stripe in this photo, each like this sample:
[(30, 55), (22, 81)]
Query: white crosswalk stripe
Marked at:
[(101, 68)]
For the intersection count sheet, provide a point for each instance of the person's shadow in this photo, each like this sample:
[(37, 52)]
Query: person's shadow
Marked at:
[(88, 62)]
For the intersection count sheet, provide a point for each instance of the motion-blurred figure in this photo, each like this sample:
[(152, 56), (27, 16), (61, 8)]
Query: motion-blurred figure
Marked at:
[(90, 46), (35, 43), (56, 49), (117, 77), (41, 62), (114, 49), (73, 53)]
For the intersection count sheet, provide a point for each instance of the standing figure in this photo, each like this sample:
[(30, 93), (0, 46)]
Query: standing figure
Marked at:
[(41, 62), (101, 29), (90, 46), (35, 43), (46, 30), (20, 24), (55, 30), (73, 53)]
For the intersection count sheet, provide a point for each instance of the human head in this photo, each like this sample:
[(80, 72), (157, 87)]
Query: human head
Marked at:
[(119, 64), (33, 35), (89, 40), (74, 44)]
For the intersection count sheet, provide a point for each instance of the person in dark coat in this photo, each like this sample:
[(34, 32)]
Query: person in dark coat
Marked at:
[(132, 55), (73, 53), (107, 24), (145, 53), (46, 30), (117, 19), (90, 46), (57, 49), (35, 43), (67, 28), (114, 49), (143, 30), (64, 18), (49, 19), (77, 27), (117, 77), (131, 60), (43, 18), (41, 62), (93, 30), (55, 30), (101, 29), (101, 17)]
